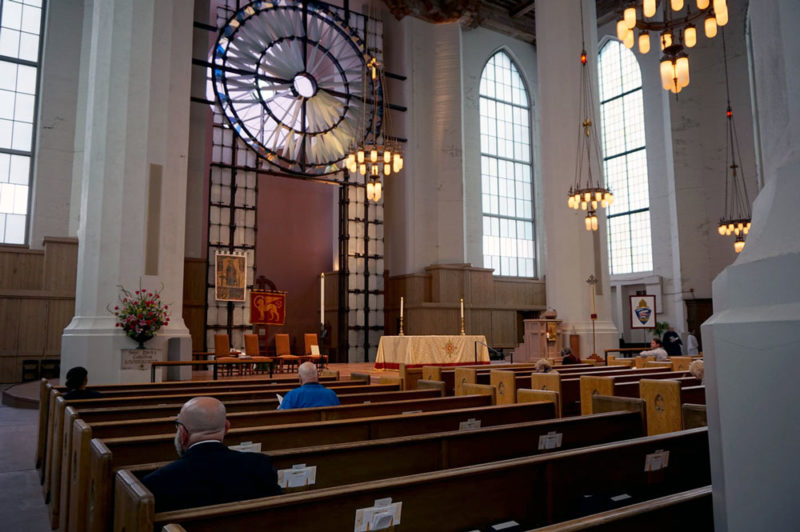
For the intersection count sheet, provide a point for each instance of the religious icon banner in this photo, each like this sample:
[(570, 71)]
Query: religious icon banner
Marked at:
[(643, 312), (231, 277), (267, 307)]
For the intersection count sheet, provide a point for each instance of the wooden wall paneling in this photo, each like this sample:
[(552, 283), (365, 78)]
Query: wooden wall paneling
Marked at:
[(447, 282), (9, 317), (480, 287), (60, 264), (479, 321), (20, 268), (10, 369), (32, 317), (194, 300), (505, 329), (59, 314)]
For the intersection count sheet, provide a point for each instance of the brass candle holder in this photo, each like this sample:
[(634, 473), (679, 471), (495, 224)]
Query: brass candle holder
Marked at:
[(401, 327)]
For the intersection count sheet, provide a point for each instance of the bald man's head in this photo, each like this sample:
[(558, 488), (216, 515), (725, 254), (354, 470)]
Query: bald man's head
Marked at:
[(200, 419), (307, 373)]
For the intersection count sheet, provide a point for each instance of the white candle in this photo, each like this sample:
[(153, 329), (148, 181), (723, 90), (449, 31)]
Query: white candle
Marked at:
[(322, 298), (462, 307), (401, 308), (591, 293)]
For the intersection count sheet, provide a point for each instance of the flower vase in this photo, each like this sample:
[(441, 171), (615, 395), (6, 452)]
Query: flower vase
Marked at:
[(141, 338)]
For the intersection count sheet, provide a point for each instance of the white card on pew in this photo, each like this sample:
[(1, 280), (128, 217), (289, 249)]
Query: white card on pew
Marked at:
[(551, 440), (246, 447), (280, 398), (315, 350), (299, 475), (657, 460), (383, 515), (470, 424), (412, 412)]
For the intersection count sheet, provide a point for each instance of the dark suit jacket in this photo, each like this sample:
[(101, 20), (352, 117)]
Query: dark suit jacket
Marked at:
[(210, 473)]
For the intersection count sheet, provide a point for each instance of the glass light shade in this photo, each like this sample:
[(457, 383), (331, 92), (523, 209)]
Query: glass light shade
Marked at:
[(690, 36), (682, 69), (587, 196), (629, 16), (604, 203), (598, 196), (387, 156), (736, 231), (584, 205), (360, 156), (710, 25), (362, 168), (570, 202), (677, 5), (738, 245), (594, 223), (666, 39), (373, 156), (610, 199), (649, 8), (370, 190), (629, 39), (720, 5), (374, 169), (588, 222), (644, 42), (378, 191), (594, 205), (667, 73), (722, 14), (747, 228), (387, 169), (702, 4), (622, 30), (722, 229)]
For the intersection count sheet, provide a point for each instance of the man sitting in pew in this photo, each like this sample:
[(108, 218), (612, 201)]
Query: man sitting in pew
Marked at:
[(656, 350), (207, 472), (310, 393)]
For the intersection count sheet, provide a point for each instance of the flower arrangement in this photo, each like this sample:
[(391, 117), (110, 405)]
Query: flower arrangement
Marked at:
[(141, 314)]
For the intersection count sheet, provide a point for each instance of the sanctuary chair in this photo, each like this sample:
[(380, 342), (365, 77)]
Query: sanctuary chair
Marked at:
[(251, 349), (222, 353), (283, 352), (320, 360)]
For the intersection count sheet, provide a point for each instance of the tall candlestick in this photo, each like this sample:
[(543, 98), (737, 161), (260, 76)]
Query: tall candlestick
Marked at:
[(322, 298), (461, 301), (462, 307), (401, 308)]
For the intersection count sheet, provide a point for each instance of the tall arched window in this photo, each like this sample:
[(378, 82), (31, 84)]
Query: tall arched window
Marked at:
[(506, 186), (20, 27), (629, 242)]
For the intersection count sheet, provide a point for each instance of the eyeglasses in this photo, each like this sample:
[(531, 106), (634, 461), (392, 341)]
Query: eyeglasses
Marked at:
[(179, 424)]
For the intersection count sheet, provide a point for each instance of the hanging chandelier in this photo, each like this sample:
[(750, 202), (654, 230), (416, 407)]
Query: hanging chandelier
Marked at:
[(736, 218), (676, 32), (379, 155), (590, 194)]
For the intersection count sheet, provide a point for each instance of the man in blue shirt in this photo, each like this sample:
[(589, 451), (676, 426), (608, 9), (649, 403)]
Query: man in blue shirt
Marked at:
[(310, 393)]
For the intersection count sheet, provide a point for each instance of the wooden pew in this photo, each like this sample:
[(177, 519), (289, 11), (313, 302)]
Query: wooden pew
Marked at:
[(425, 453), (631, 389), (605, 385), (107, 455), (663, 400), (693, 416), (106, 423), (533, 491), (53, 464), (525, 395), (690, 509)]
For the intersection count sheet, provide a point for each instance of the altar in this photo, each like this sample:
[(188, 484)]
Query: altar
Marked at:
[(444, 350)]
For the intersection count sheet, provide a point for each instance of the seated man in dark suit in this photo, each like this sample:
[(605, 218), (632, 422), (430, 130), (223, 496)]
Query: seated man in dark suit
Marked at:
[(207, 472), (77, 379), (310, 393)]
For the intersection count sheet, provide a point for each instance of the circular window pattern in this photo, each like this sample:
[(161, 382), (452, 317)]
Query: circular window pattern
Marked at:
[(290, 79)]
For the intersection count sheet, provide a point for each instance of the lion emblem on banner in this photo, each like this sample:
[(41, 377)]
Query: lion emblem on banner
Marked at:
[(267, 308)]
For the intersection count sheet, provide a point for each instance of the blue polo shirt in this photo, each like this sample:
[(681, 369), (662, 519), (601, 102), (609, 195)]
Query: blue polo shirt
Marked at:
[(309, 395)]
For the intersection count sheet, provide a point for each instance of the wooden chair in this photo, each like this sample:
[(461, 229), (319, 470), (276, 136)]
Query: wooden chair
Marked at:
[(311, 339), (283, 352), (222, 352)]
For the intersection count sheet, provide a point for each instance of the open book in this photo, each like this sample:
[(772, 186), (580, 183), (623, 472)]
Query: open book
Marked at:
[(280, 398)]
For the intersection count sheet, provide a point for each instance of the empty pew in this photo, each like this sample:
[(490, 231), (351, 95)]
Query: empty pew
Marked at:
[(422, 453), (693, 416), (110, 423), (107, 455), (605, 385), (691, 509), (534, 491), (609, 403), (53, 464)]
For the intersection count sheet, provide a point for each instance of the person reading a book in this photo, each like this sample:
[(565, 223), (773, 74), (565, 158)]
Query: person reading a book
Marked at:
[(310, 393)]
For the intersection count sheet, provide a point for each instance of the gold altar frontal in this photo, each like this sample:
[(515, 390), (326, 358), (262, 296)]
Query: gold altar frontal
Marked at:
[(418, 351)]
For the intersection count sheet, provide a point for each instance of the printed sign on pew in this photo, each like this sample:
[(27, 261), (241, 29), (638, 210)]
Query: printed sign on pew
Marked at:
[(139, 358)]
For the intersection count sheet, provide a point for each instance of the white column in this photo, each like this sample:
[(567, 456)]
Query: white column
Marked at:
[(751, 342), (133, 197), (572, 254)]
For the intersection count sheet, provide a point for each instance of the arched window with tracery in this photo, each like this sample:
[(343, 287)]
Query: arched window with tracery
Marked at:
[(506, 170), (624, 153)]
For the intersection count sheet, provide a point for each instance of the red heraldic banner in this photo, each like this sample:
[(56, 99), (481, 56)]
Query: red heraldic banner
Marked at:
[(267, 307)]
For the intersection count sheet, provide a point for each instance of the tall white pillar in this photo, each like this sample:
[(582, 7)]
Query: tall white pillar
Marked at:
[(135, 135), (751, 342), (572, 253)]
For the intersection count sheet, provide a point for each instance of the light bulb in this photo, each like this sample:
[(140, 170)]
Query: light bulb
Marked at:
[(378, 192), (594, 223), (722, 230), (677, 5), (583, 205), (362, 169), (622, 30), (667, 73), (598, 196), (587, 196), (722, 14), (387, 169), (588, 222), (387, 156), (594, 205), (570, 201), (690, 36), (373, 156), (702, 4), (682, 70), (644, 42), (710, 25), (360, 156), (370, 190), (629, 39), (666, 40), (738, 245), (629, 17), (649, 8)]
